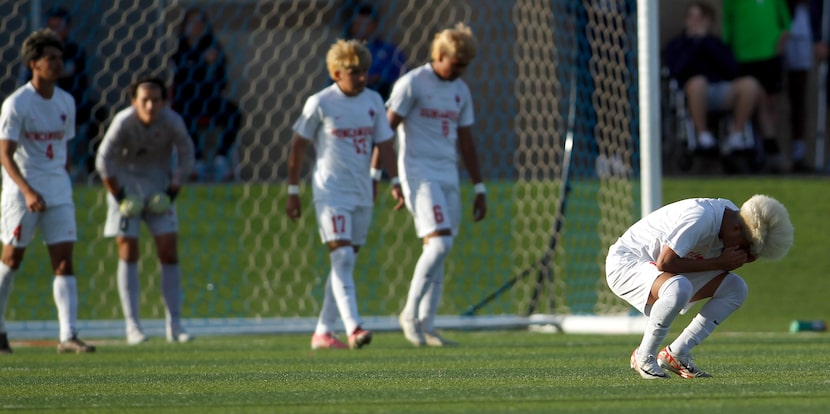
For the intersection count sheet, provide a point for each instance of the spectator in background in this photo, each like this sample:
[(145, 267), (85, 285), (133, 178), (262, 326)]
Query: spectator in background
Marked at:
[(819, 20), (757, 31), (88, 120), (798, 60), (707, 71), (199, 81), (388, 62)]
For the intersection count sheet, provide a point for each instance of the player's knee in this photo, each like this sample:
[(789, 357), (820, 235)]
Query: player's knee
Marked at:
[(343, 257), (440, 245), (678, 288), (733, 288)]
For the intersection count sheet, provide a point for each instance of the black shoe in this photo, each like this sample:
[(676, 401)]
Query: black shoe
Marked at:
[(75, 345), (5, 348)]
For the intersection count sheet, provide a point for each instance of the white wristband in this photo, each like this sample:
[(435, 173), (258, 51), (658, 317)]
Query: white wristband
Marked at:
[(480, 188), (293, 189), (395, 181), (376, 174)]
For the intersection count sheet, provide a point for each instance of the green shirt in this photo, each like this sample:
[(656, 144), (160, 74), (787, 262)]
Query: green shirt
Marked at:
[(752, 28)]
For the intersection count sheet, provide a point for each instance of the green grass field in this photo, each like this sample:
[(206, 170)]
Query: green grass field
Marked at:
[(758, 367), (491, 372)]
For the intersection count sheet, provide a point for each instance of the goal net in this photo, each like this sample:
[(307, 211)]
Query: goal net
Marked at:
[(246, 267)]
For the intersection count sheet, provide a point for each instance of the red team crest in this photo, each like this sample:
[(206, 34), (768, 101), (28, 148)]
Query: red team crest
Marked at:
[(63, 117), (371, 113)]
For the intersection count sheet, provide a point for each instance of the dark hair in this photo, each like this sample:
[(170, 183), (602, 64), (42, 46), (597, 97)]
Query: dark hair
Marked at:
[(133, 89), (34, 44), (367, 9), (59, 12), (707, 9), (195, 12)]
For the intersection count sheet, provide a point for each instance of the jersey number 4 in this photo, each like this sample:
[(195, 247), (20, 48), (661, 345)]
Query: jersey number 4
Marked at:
[(50, 153)]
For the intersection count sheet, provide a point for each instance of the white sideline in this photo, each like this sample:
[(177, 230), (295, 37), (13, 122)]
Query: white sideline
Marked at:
[(575, 324)]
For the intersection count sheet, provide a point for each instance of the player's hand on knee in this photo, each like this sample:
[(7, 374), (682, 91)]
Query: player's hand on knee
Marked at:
[(397, 194)]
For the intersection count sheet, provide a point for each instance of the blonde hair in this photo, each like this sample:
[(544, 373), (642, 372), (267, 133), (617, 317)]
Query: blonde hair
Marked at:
[(347, 54), (767, 226), (456, 42)]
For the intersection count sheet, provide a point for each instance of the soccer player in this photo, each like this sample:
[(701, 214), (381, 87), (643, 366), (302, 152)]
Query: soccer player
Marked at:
[(134, 161), (685, 252), (36, 124), (432, 110), (343, 121)]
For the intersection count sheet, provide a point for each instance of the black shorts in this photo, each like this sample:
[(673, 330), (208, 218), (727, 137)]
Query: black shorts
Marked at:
[(769, 72)]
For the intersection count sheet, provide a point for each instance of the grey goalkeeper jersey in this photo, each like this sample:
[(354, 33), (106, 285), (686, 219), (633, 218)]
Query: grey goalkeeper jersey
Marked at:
[(140, 157)]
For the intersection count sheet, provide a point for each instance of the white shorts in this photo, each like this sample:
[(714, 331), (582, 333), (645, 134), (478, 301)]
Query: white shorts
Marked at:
[(120, 226), (343, 223), (632, 281), (434, 206), (56, 224)]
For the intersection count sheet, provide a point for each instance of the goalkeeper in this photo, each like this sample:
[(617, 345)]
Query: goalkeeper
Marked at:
[(135, 162), (685, 252)]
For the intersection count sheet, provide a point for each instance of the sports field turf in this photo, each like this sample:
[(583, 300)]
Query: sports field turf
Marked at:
[(492, 372), (758, 367)]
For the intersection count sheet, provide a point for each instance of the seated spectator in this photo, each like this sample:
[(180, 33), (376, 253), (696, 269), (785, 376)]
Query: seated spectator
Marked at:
[(88, 119), (200, 77), (388, 62), (706, 69)]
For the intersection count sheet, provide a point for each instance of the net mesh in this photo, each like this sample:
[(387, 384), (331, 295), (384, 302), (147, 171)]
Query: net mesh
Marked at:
[(241, 256)]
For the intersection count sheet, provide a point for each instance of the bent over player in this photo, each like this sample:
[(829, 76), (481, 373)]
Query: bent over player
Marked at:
[(432, 110), (685, 252), (36, 124), (343, 121), (134, 161)]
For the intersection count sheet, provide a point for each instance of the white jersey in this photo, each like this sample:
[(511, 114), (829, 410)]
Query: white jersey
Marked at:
[(432, 109), (140, 156), (689, 227), (41, 128), (343, 130)]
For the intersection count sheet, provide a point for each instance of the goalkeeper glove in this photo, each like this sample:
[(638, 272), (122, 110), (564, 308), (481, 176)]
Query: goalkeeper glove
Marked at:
[(130, 205), (159, 203)]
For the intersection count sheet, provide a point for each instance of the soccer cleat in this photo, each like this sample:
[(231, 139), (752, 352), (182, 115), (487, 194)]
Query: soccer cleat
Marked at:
[(326, 341), (5, 348), (360, 338), (75, 345), (178, 335), (412, 331), (135, 337), (648, 369), (681, 365), (434, 339)]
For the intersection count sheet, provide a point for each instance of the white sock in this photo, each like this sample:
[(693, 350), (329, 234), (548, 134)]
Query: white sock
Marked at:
[(171, 290), (729, 296), (6, 285), (672, 297), (342, 286), (328, 312), (65, 290), (431, 259), (431, 300), (129, 291)]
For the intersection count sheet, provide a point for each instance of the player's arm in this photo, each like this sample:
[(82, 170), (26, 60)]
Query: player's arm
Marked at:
[(386, 151), (34, 201), (731, 258), (106, 162), (467, 148), (187, 158), (295, 163)]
